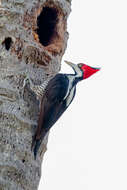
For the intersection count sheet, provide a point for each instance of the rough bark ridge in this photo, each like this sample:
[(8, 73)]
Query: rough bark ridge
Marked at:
[(33, 39)]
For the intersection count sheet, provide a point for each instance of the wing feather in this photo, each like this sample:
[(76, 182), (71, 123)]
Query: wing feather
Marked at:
[(52, 107)]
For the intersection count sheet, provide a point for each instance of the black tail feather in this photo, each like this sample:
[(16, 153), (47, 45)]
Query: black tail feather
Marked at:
[(36, 148), (36, 143)]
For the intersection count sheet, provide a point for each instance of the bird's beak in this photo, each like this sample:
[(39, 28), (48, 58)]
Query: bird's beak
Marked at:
[(74, 66), (70, 63)]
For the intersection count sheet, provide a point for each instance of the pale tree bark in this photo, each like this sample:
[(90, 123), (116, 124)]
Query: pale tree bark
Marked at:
[(33, 38)]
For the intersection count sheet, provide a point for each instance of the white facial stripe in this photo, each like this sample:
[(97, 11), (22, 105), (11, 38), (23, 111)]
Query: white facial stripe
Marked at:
[(70, 97), (77, 70), (70, 79)]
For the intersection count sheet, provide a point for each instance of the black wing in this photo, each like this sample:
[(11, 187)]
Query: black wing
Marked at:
[(52, 106), (55, 104)]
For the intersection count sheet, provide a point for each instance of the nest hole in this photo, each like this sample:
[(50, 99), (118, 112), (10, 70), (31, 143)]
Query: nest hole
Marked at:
[(46, 25), (7, 43), (23, 160)]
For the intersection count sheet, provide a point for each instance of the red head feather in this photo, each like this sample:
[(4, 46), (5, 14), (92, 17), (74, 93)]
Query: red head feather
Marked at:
[(87, 70)]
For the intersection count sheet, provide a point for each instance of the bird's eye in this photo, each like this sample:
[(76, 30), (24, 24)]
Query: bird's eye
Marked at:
[(80, 65)]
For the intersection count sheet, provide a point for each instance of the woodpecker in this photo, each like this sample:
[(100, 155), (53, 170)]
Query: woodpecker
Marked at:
[(58, 95)]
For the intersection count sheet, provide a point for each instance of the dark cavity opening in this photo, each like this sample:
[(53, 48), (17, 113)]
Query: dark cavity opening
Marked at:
[(46, 23), (23, 160), (7, 42)]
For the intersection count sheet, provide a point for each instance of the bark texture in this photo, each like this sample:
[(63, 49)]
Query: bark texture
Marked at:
[(33, 38)]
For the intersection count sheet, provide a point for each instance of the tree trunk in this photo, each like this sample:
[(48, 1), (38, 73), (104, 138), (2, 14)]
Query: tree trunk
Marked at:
[(33, 38)]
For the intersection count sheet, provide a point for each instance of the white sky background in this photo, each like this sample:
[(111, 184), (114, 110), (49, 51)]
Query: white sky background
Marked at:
[(87, 148)]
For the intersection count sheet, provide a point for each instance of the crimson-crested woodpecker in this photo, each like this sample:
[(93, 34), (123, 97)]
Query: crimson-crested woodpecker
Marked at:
[(58, 95)]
